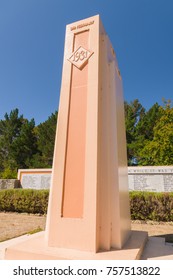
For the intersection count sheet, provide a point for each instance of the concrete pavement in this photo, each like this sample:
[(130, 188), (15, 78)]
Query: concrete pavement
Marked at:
[(155, 248)]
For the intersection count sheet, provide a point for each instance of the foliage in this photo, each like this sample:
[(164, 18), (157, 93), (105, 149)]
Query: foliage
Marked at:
[(23, 145), (144, 205), (149, 138), (134, 113), (9, 173), (45, 141), (159, 151), (149, 134), (151, 206), (17, 142), (24, 201)]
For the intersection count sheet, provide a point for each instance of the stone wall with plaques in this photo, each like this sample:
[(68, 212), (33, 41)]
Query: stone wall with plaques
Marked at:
[(9, 184), (151, 178), (141, 178), (35, 178)]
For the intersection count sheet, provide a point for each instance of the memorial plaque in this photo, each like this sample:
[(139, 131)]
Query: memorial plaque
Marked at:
[(35, 178), (168, 182), (148, 178), (151, 178)]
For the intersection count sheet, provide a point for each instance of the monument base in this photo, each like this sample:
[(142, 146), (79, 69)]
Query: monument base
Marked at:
[(35, 248)]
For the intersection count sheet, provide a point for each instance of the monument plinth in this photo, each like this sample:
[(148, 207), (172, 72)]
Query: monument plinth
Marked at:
[(88, 209)]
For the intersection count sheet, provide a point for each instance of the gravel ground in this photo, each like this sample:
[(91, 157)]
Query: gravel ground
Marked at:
[(155, 228), (14, 224)]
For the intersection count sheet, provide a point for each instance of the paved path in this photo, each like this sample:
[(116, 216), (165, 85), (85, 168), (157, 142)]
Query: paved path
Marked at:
[(155, 249)]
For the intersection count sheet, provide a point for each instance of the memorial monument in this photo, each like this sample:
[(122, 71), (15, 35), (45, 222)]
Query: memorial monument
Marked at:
[(88, 213)]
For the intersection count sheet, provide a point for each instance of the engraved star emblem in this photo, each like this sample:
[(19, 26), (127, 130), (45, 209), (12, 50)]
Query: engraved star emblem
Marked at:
[(79, 57)]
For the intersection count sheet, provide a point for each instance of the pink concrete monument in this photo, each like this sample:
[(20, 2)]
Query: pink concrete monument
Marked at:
[(88, 213)]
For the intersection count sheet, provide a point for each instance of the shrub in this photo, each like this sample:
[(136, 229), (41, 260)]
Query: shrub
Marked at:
[(24, 201), (151, 206), (144, 205), (8, 173)]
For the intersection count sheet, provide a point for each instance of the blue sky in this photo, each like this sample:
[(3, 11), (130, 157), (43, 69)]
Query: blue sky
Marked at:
[(32, 40)]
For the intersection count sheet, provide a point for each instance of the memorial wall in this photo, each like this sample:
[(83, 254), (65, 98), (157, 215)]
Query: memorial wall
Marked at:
[(6, 184), (145, 178), (151, 178), (35, 178)]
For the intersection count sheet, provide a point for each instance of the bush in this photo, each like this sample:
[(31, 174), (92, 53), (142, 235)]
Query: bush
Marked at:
[(144, 205), (151, 206), (24, 201), (8, 173)]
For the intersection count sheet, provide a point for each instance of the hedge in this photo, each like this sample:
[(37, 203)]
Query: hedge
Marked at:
[(24, 201), (151, 206), (144, 205)]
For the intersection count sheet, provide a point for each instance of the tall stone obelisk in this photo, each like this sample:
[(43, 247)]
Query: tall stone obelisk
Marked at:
[(88, 213), (89, 201)]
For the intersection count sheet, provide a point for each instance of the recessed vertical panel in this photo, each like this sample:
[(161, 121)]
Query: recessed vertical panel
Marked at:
[(73, 189), (88, 199)]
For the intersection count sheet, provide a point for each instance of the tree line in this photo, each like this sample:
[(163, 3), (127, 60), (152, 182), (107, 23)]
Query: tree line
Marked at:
[(149, 135), (25, 145)]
